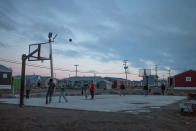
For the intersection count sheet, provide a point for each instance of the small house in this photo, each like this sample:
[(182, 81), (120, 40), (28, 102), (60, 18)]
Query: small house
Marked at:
[(105, 84), (184, 80), (5, 77)]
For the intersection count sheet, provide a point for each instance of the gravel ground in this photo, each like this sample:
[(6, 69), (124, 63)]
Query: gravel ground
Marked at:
[(14, 118)]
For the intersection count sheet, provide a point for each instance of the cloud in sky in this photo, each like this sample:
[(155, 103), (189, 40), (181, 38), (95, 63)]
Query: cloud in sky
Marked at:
[(103, 32), (3, 45)]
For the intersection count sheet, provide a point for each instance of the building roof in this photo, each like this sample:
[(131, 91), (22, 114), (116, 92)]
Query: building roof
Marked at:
[(115, 78), (185, 72), (33, 77), (83, 78), (4, 69)]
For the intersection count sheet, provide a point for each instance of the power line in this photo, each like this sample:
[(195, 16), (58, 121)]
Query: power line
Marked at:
[(33, 65), (55, 68), (101, 72)]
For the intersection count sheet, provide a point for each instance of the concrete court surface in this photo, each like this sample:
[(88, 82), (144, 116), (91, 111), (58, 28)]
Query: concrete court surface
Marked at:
[(106, 103)]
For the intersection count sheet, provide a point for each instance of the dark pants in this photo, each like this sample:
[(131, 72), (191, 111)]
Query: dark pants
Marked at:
[(145, 92), (86, 94), (49, 93), (122, 92), (163, 92), (62, 94), (82, 92), (92, 94), (27, 94)]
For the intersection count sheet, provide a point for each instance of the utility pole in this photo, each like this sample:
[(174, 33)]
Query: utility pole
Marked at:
[(51, 60), (156, 66), (169, 72), (146, 77), (94, 77), (168, 81), (156, 81), (125, 67), (76, 69), (163, 77)]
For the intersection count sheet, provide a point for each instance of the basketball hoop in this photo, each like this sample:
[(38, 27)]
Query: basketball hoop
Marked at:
[(144, 72), (43, 52)]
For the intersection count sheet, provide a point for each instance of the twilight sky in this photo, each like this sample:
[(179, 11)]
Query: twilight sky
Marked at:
[(104, 33)]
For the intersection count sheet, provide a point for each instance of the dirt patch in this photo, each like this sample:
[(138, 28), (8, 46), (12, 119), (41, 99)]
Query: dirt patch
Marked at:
[(12, 117)]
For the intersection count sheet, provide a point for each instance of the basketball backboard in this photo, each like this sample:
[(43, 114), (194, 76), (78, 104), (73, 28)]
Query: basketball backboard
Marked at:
[(43, 52), (144, 72)]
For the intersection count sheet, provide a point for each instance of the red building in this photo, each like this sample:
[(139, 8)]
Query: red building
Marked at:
[(185, 79)]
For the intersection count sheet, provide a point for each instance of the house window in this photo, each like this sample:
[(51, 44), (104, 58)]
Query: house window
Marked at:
[(188, 78), (4, 76)]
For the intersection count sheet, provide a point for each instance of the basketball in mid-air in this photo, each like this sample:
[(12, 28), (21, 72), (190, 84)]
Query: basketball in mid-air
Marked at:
[(70, 40)]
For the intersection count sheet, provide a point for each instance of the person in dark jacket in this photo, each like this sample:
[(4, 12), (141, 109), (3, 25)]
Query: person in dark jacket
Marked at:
[(146, 90), (85, 89), (51, 90), (92, 90), (122, 89), (28, 88), (163, 88)]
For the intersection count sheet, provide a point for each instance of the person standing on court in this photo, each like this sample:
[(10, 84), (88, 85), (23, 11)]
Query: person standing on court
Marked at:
[(92, 90), (62, 93), (82, 89), (28, 88), (51, 90), (85, 89), (122, 89), (163, 88), (146, 90)]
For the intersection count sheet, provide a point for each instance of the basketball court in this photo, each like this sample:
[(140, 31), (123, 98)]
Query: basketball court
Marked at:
[(106, 103)]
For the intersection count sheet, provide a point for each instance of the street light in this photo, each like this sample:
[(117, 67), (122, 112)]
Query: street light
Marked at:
[(50, 35)]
